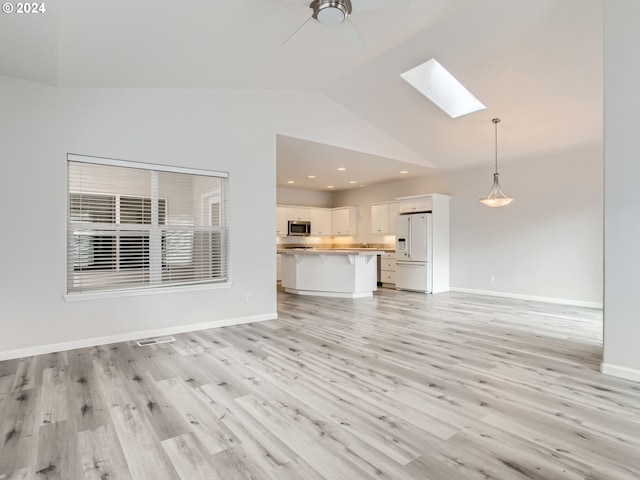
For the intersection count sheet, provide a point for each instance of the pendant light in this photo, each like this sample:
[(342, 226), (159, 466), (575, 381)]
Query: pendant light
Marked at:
[(496, 197)]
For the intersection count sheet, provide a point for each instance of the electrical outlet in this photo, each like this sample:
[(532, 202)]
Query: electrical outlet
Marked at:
[(249, 297), (492, 278)]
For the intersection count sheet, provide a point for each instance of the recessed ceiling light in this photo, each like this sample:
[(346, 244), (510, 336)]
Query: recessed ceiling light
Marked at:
[(434, 82), (404, 171), (311, 176), (290, 181), (341, 169), (330, 186), (353, 181)]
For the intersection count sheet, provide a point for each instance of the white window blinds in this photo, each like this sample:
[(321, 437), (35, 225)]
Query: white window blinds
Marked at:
[(134, 225)]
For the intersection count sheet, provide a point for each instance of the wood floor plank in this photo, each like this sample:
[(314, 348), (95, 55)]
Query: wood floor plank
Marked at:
[(101, 455), (85, 401), (22, 474), (19, 430), (149, 399), (27, 374), (190, 458), (265, 451), (197, 410), (294, 470), (233, 465), (7, 375), (58, 451), (620, 461), (305, 435), (142, 449), (54, 406)]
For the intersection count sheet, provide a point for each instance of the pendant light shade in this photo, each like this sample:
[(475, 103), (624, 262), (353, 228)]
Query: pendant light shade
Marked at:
[(496, 197)]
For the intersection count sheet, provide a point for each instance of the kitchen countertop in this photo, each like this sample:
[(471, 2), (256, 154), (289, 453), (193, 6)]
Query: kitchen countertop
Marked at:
[(331, 251)]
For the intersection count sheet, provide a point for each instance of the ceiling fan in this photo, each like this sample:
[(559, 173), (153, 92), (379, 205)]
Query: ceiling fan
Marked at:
[(335, 14)]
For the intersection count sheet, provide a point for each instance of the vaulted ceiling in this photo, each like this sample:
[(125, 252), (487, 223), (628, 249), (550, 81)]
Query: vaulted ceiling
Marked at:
[(537, 65)]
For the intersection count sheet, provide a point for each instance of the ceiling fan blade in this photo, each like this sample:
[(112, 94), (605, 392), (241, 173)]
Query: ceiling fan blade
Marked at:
[(296, 30), (348, 30), (370, 5)]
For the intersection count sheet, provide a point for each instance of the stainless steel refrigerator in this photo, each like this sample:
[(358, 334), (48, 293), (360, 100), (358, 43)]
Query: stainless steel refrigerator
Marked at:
[(414, 252)]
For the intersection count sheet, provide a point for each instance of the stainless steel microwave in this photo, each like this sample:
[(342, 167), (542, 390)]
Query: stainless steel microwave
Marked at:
[(299, 228)]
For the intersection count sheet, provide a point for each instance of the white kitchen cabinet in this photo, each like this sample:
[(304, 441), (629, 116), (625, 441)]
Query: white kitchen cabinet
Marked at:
[(344, 221), (383, 217), (282, 225), (324, 221), (320, 221), (298, 213), (388, 269), (380, 218), (418, 203)]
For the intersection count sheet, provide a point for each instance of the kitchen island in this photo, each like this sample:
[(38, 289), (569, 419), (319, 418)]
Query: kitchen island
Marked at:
[(348, 273)]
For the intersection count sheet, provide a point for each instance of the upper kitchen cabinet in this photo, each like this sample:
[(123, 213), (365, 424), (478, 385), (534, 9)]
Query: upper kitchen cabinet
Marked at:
[(324, 221), (415, 204), (284, 214), (320, 221), (282, 225), (383, 217), (344, 221), (298, 213)]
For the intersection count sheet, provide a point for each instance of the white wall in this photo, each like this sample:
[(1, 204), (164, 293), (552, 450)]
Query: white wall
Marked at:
[(305, 198), (622, 197), (200, 129), (547, 243)]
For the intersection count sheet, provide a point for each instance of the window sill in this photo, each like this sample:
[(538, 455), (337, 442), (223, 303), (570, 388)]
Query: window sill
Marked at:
[(75, 297)]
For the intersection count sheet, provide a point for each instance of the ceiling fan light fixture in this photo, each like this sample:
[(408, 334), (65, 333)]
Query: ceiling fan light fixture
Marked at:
[(331, 12)]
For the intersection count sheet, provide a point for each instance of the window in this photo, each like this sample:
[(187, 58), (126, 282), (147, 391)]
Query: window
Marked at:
[(133, 225)]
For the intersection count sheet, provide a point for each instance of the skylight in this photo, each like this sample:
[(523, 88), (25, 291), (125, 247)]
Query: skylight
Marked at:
[(434, 82)]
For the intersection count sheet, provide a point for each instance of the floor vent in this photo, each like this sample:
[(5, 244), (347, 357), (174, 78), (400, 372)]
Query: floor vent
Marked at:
[(155, 341)]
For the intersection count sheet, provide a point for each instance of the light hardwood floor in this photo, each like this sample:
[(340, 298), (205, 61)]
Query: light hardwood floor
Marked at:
[(400, 386)]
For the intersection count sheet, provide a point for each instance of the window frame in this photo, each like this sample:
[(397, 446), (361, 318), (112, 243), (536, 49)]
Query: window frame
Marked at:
[(143, 288)]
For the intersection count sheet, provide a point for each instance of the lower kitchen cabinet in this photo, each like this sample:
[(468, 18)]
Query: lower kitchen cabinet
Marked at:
[(388, 269)]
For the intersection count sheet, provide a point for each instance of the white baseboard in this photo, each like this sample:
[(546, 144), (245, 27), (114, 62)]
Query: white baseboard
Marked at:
[(621, 372), (517, 296), (126, 337)]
